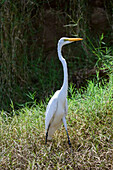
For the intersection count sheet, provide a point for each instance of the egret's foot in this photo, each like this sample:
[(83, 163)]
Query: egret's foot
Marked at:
[(68, 139)]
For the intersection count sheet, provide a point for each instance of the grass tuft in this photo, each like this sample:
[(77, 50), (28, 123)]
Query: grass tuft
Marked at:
[(90, 128)]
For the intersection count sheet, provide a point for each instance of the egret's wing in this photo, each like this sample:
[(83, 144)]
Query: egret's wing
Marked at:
[(50, 111), (66, 107)]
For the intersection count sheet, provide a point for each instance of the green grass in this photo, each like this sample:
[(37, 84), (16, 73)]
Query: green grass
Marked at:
[(90, 128)]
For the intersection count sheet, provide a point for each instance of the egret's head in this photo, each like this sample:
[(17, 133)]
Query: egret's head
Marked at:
[(65, 40)]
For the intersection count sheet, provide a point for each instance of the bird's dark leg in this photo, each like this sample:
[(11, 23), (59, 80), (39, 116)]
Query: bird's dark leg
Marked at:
[(47, 134), (65, 125), (46, 137), (68, 139)]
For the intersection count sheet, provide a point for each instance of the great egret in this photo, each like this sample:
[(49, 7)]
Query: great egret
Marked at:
[(57, 107)]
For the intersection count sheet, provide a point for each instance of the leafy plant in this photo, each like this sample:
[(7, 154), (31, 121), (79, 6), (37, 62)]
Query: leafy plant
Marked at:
[(104, 55)]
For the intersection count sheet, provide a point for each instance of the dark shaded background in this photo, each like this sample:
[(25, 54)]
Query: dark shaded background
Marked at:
[(29, 34)]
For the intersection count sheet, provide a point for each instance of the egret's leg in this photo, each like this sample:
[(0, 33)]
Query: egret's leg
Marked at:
[(46, 137), (65, 125), (47, 134)]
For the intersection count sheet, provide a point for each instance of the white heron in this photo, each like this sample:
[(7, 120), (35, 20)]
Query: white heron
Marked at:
[(57, 107)]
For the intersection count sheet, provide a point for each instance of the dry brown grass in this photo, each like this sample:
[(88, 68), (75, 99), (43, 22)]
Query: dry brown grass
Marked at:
[(89, 120), (23, 146)]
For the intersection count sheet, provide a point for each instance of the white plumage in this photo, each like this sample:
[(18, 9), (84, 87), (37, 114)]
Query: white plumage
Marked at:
[(57, 107)]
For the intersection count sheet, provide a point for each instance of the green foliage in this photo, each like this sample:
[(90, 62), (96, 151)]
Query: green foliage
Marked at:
[(102, 57), (24, 66)]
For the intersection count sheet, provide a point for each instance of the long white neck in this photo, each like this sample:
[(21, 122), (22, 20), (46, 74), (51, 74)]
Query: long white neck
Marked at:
[(65, 81)]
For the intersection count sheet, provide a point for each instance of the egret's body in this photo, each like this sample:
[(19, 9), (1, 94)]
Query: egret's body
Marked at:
[(57, 107)]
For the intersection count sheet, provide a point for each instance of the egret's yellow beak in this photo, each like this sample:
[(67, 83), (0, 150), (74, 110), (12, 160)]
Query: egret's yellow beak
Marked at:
[(73, 39)]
